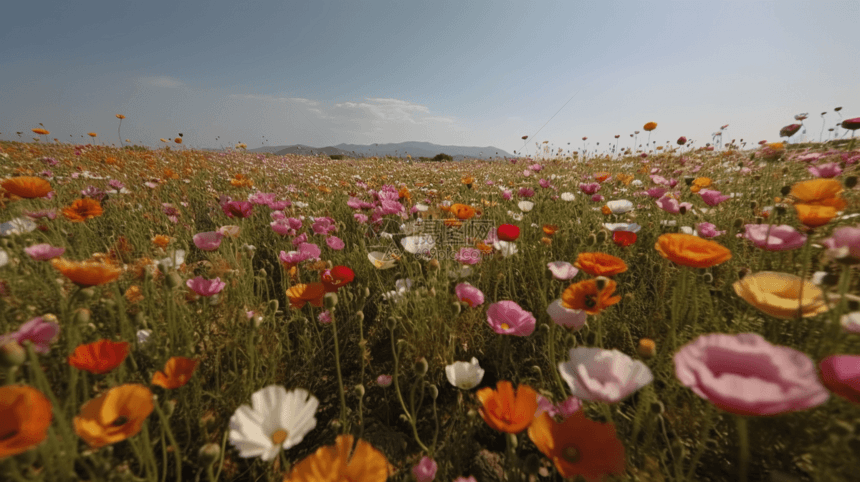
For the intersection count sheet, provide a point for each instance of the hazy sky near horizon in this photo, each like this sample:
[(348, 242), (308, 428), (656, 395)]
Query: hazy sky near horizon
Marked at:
[(476, 73)]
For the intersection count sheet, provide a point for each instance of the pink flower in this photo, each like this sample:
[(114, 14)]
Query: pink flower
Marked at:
[(708, 230), (384, 380), (208, 241), (324, 226), (361, 218), (44, 213), (279, 205), (469, 294), (562, 409), (44, 251), (597, 198), (671, 205), (589, 188), (507, 195), (240, 209), (37, 331), (507, 318), (825, 170), (310, 250), (844, 244), (712, 198), (261, 198), (745, 375), (324, 317), (526, 192), (562, 270), (335, 243), (205, 287), (774, 238), (302, 238), (282, 227), (425, 471), (841, 375), (656, 192), (468, 255), (566, 317), (544, 183), (603, 375)]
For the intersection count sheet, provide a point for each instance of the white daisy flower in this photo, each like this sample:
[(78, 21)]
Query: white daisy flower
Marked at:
[(465, 375), (567, 196), (526, 206), (275, 420)]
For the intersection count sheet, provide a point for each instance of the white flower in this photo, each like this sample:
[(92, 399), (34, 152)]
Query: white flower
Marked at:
[(276, 419), (516, 216), (4, 258), (401, 287), (566, 317), (567, 196), (381, 260), (421, 244), (526, 206), (17, 226), (851, 322), (422, 207), (300, 204), (636, 182), (620, 206), (465, 375), (603, 375), (174, 261), (562, 270), (689, 230), (632, 227), (507, 248), (463, 271), (143, 336)]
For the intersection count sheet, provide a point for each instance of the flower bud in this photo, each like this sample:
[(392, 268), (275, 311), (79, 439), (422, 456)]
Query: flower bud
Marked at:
[(421, 367), (753, 205), (170, 407), (140, 319), (601, 236), (173, 281), (359, 316), (531, 465), (434, 392), (391, 323), (738, 223), (647, 348), (87, 293), (208, 454), (272, 306), (591, 240), (601, 282), (472, 414), (708, 278), (536, 370), (458, 308), (82, 316), (330, 300), (851, 182), (434, 265), (657, 407), (359, 391), (12, 354), (263, 273)]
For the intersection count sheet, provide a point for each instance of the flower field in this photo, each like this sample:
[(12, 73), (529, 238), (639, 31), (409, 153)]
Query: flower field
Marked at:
[(180, 314)]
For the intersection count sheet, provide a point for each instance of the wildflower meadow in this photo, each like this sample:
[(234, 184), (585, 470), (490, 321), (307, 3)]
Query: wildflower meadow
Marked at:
[(671, 313)]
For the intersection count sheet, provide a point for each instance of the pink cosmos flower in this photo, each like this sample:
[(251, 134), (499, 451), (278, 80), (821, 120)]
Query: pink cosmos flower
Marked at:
[(828, 170), (208, 241), (425, 470), (469, 294), (844, 244), (302, 238), (774, 238), (44, 251), (566, 317), (746, 375), (562, 270), (37, 331), (544, 183), (508, 318), (589, 188), (335, 243), (841, 375), (467, 255), (526, 192), (603, 375), (205, 287), (361, 218), (708, 230), (324, 226), (713, 198)]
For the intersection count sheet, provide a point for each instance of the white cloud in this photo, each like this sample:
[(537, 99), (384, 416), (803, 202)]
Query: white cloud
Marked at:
[(163, 81)]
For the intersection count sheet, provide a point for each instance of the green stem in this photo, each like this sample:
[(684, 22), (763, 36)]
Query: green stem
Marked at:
[(703, 440), (343, 420), (744, 448), (177, 451)]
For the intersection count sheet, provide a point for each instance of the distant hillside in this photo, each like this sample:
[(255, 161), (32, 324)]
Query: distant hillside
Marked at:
[(414, 149)]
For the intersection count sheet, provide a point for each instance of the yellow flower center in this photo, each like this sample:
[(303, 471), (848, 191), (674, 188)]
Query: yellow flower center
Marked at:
[(279, 436), (506, 326), (570, 454)]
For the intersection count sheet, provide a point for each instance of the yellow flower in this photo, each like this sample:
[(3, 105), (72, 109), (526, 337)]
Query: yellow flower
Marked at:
[(779, 294)]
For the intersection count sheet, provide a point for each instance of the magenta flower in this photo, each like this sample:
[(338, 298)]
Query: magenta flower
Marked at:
[(656, 192), (544, 183), (37, 331), (774, 238), (361, 218), (844, 244), (562, 270), (526, 192), (302, 238), (589, 188), (507, 195), (282, 227), (597, 198), (708, 230), (469, 294), (507, 318), (262, 198), (206, 287), (828, 170), (713, 198), (746, 375), (44, 213), (562, 409), (208, 241), (335, 243), (671, 205), (310, 250), (384, 380), (467, 255), (325, 317), (841, 375), (44, 251), (425, 470), (240, 209), (292, 258), (279, 205)]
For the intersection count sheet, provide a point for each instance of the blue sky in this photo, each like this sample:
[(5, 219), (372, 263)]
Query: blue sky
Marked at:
[(472, 73)]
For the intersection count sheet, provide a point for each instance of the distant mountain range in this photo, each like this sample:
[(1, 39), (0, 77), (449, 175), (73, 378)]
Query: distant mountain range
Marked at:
[(401, 149)]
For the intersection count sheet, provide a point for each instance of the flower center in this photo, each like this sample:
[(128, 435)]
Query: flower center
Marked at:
[(570, 454), (120, 421), (6, 436), (506, 326), (590, 301), (279, 436)]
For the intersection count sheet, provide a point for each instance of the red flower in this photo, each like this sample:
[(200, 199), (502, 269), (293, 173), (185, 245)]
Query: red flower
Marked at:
[(99, 357), (508, 232), (623, 238), (336, 277)]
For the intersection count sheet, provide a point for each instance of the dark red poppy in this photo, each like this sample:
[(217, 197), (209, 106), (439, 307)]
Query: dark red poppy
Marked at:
[(623, 238), (336, 277), (99, 357), (789, 130), (851, 124), (508, 232), (682, 140)]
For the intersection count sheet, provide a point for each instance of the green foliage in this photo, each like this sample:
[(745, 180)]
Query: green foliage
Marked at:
[(442, 157)]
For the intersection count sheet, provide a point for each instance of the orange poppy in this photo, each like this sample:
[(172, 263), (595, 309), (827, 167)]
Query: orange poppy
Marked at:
[(115, 415), (302, 293), (178, 140), (484, 248), (467, 180), (549, 229), (40, 131), (83, 209), (579, 446), (462, 211), (120, 116), (92, 134), (692, 251), (601, 176), (505, 410), (650, 126), (27, 186), (99, 357), (404, 193), (819, 192), (134, 294), (25, 416), (814, 216), (584, 295), (87, 273), (600, 264), (161, 240), (177, 372), (334, 463), (624, 178)]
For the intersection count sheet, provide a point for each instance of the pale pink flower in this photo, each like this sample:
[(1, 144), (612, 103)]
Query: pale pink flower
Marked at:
[(467, 255), (708, 230), (713, 198), (325, 317), (844, 244), (310, 250), (562, 270), (828, 170), (425, 470), (208, 241), (774, 238), (566, 317), (205, 287), (44, 251), (508, 318), (335, 243), (746, 375), (384, 380), (469, 294), (602, 375)]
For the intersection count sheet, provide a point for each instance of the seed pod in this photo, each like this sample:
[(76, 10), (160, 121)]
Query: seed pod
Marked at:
[(458, 308), (330, 300), (173, 281), (82, 316), (434, 392), (601, 282), (601, 237), (647, 348), (737, 223), (421, 367), (12, 355), (208, 454), (87, 293), (359, 391), (272, 306), (359, 316)]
